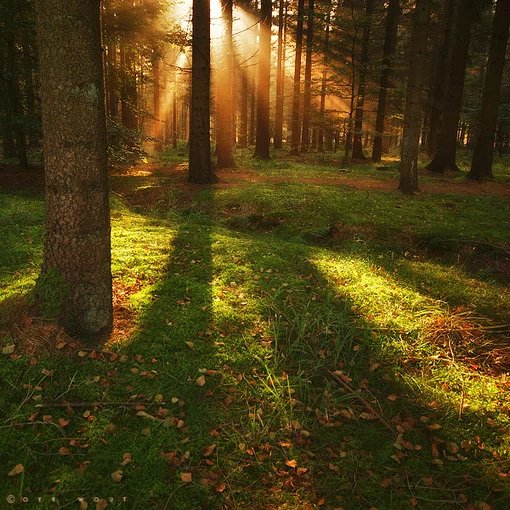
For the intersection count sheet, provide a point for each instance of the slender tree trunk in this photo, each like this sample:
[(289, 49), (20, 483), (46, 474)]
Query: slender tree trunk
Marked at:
[(112, 81), (243, 110), (443, 61), (28, 71), (14, 100), (445, 157), (77, 244), (225, 103), (280, 75), (174, 118), (8, 142), (158, 124), (200, 169), (413, 112), (262, 140), (296, 97), (483, 154), (324, 84), (357, 146), (129, 91), (253, 107), (307, 96), (390, 46)]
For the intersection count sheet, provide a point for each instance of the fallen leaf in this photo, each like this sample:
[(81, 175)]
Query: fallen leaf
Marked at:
[(291, 463), (200, 381), (126, 459), (101, 504), (117, 476), (208, 451), (220, 487), (16, 470), (186, 477), (64, 451), (9, 349), (63, 422)]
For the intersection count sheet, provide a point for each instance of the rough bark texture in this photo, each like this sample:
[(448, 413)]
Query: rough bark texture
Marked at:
[(200, 170), (445, 157), (413, 113), (225, 100), (262, 140), (483, 154), (296, 99), (357, 145), (77, 244), (390, 46), (307, 96), (280, 74), (443, 61)]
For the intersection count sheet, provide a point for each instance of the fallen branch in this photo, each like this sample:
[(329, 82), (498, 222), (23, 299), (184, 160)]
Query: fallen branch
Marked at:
[(100, 404), (365, 403)]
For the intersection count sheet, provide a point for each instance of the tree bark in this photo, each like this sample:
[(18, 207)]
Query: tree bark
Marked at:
[(280, 74), (357, 146), (390, 46), (445, 157), (414, 96), (296, 96), (77, 244), (307, 95), (440, 78), (158, 123), (324, 83), (262, 140), (200, 169), (225, 102), (483, 154)]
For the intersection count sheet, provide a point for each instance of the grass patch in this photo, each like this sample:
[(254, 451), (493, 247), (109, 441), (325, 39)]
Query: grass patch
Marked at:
[(289, 346)]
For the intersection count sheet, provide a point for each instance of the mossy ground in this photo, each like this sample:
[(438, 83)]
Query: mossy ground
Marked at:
[(353, 344)]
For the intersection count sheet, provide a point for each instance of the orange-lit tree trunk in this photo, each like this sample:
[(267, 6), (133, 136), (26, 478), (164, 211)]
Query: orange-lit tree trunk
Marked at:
[(307, 96), (483, 154), (357, 144), (280, 74), (200, 169), (225, 98), (158, 124), (414, 97), (296, 95), (390, 46), (324, 84), (77, 243), (262, 139)]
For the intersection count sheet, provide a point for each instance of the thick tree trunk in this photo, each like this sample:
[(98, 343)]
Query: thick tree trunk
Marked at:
[(390, 46), (307, 96), (225, 100), (296, 96), (280, 74), (443, 60), (445, 157), (483, 154), (262, 140), (413, 113), (200, 169), (77, 244), (357, 145)]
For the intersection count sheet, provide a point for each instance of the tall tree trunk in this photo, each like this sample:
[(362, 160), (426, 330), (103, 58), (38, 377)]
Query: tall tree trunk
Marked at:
[(174, 118), (129, 93), (200, 169), (280, 74), (296, 96), (262, 140), (28, 78), (324, 83), (243, 110), (307, 96), (357, 146), (158, 124), (225, 101), (445, 157), (483, 154), (414, 97), (77, 245), (443, 61), (112, 82), (8, 142), (390, 46), (14, 100)]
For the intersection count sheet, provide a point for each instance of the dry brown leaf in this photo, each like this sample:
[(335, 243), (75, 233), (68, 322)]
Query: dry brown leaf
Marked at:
[(200, 381), (126, 459), (186, 477), (8, 349), (101, 504), (208, 450), (117, 476), (63, 422), (291, 463), (64, 451), (16, 470)]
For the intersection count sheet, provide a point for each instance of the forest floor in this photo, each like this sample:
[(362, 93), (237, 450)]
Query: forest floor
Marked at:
[(299, 336)]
